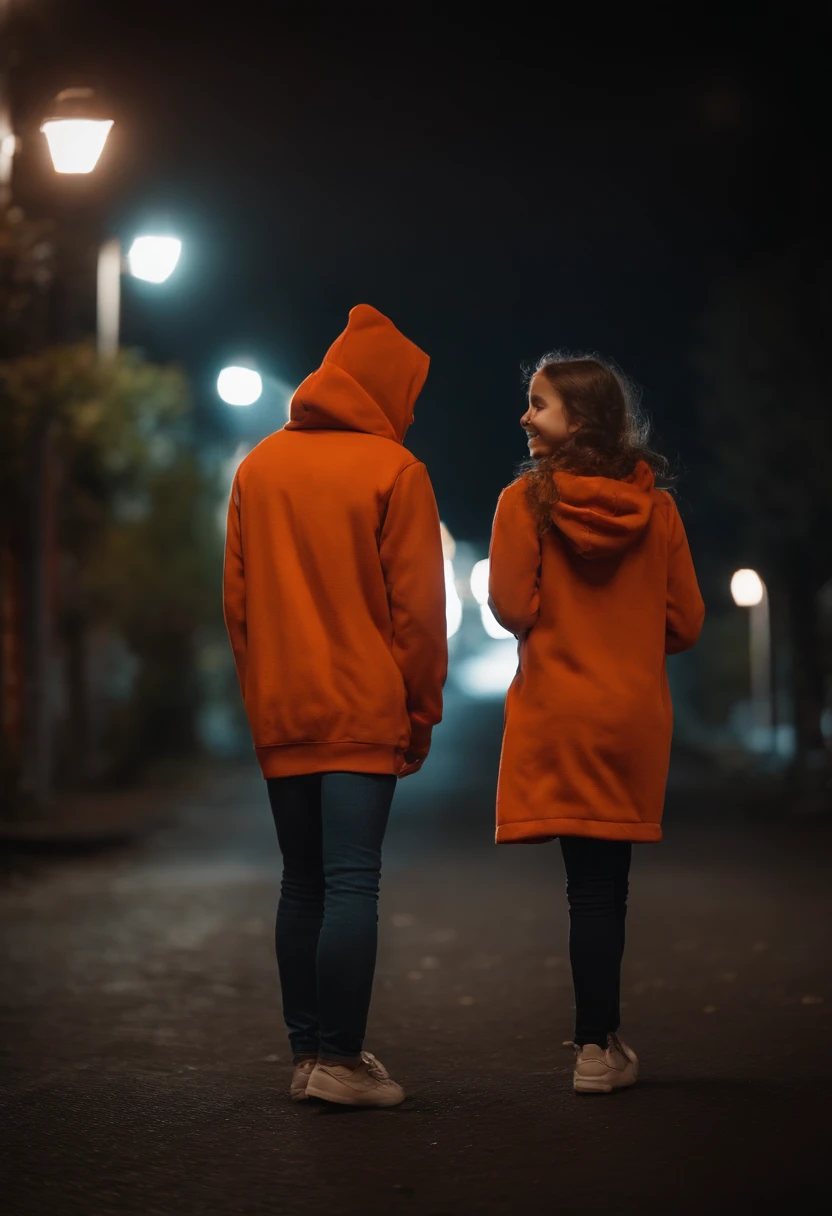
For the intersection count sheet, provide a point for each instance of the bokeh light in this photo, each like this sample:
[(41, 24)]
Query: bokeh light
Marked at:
[(75, 144), (479, 581), (747, 588), (239, 385), (479, 590), (154, 258), (453, 604)]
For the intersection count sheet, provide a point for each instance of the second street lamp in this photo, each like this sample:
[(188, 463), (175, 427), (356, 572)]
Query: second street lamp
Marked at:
[(749, 591)]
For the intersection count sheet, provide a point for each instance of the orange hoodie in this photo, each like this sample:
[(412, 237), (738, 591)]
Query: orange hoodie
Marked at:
[(597, 604), (334, 591)]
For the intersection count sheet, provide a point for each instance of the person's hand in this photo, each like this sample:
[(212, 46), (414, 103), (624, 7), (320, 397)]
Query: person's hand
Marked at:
[(412, 764)]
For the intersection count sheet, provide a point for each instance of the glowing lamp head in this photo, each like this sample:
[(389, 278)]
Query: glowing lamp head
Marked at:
[(239, 385), (154, 258), (76, 131), (747, 588)]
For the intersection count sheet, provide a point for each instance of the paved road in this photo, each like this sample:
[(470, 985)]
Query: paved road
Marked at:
[(145, 1068)]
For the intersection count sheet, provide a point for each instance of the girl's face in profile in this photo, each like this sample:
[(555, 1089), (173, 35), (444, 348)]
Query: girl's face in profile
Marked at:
[(545, 421)]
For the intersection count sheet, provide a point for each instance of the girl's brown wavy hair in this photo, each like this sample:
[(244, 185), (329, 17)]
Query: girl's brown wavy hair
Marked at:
[(611, 435)]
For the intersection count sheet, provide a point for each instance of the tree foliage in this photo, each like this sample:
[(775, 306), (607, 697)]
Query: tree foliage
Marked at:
[(136, 534)]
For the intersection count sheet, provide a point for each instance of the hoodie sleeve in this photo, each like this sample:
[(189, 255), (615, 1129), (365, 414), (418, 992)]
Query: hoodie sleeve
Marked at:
[(234, 586), (410, 548), (685, 607), (514, 569)]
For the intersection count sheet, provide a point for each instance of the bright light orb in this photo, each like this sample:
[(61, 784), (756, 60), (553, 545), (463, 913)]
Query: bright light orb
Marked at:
[(747, 588), (154, 258), (239, 385), (453, 604), (75, 144), (479, 581)]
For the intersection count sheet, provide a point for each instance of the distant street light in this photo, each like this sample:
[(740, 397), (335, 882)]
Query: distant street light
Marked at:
[(479, 590), (749, 591), (747, 588), (239, 385), (152, 258), (76, 131)]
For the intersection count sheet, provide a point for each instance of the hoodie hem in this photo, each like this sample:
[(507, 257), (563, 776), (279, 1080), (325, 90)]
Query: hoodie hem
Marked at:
[(538, 830), (296, 759)]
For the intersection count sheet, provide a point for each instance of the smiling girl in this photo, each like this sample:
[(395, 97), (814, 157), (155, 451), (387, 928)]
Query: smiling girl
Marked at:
[(590, 569)]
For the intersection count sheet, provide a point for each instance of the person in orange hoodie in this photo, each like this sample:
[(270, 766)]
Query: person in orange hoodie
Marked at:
[(334, 601), (590, 568)]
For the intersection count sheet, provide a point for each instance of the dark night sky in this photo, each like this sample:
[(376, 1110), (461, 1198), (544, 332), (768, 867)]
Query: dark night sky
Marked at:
[(497, 189)]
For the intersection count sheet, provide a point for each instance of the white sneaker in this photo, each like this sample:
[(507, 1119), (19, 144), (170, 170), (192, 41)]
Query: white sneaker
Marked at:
[(367, 1085), (300, 1080), (599, 1071)]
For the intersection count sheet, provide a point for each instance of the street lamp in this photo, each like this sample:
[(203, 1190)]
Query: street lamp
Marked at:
[(749, 591), (76, 131), (152, 258)]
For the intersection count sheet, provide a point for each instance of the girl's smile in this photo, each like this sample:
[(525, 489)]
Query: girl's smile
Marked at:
[(545, 421)]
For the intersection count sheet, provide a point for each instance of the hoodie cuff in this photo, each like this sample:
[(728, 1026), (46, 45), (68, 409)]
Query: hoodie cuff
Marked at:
[(419, 740)]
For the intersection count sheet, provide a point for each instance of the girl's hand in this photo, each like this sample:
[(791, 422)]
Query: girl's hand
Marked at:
[(412, 764)]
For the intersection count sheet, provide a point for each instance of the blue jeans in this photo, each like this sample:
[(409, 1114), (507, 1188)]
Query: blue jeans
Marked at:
[(597, 882), (330, 828)]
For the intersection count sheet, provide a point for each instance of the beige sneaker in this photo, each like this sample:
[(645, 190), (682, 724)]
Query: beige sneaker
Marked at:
[(367, 1085), (300, 1080), (600, 1072)]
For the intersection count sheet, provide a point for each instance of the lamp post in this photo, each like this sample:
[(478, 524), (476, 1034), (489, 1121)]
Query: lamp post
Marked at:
[(749, 591), (76, 131)]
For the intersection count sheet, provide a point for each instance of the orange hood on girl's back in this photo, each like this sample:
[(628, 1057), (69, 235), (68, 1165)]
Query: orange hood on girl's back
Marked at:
[(369, 381), (601, 517)]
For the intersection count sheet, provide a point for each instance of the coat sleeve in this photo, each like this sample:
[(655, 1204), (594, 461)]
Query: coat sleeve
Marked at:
[(410, 548), (234, 585), (514, 569), (685, 607)]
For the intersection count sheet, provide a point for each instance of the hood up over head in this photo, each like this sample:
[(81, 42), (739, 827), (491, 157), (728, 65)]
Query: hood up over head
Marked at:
[(601, 517), (369, 381)]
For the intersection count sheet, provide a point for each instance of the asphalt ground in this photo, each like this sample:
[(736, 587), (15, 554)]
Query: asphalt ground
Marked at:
[(145, 1067)]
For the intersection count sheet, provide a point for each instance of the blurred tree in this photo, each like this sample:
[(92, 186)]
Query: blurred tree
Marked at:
[(27, 269), (137, 545), (767, 413)]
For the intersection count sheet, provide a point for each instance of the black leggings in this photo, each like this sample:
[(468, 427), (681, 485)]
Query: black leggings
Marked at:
[(597, 873)]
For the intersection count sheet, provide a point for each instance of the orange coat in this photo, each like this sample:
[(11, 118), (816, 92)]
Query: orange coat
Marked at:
[(334, 590), (597, 604)]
